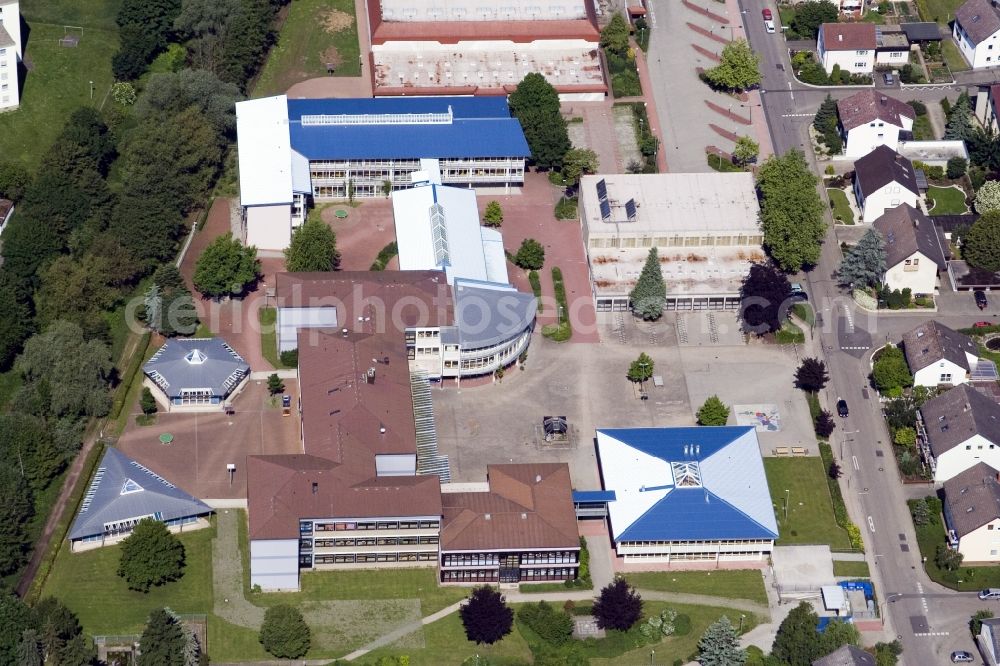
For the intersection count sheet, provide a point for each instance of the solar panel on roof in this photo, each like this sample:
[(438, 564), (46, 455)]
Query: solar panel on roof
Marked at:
[(602, 190), (630, 210), (605, 210)]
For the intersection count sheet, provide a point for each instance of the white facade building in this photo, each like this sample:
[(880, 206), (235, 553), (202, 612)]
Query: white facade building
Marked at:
[(989, 641), (938, 355), (961, 428), (975, 30), (914, 256), (10, 54), (884, 179), (849, 45), (972, 514), (870, 119)]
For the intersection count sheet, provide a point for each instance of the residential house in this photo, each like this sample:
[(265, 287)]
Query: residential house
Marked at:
[(989, 640), (687, 494), (987, 102), (972, 513), (847, 655), (870, 119), (849, 45), (913, 252), (519, 526), (938, 355), (10, 54), (975, 30), (884, 179), (960, 429)]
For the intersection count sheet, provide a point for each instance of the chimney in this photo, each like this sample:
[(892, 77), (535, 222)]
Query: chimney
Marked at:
[(370, 376), (885, 100), (840, 38), (538, 478), (487, 517), (315, 487), (381, 429), (344, 332)]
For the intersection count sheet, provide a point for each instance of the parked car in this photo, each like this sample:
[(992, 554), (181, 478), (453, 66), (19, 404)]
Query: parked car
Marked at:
[(798, 293), (983, 324), (980, 297), (769, 26), (842, 410), (766, 13), (990, 593), (961, 656), (889, 79)]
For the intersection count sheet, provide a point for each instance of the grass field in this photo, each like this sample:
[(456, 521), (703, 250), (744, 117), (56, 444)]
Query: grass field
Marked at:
[(853, 569), (947, 200), (810, 510), (922, 129), (57, 83), (841, 208), (87, 583), (268, 337), (98, 14), (315, 33), (941, 11), (929, 537), (733, 584), (952, 56)]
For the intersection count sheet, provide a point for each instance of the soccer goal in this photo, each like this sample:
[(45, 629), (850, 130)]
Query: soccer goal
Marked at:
[(72, 34)]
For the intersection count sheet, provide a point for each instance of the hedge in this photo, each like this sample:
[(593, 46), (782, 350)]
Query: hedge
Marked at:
[(839, 508)]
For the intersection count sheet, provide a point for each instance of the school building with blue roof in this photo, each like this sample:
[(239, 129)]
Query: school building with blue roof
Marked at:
[(687, 494), (296, 151)]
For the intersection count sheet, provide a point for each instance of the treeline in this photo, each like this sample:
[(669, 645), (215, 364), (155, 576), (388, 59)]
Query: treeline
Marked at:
[(47, 633), (229, 38)]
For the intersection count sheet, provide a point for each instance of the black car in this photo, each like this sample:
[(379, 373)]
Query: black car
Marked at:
[(980, 298), (842, 407)]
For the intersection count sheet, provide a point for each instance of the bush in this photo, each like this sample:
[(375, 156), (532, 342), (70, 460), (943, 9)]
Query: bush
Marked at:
[(566, 208), (919, 108), (956, 167), (285, 633), (531, 254), (823, 424), (290, 358), (553, 626), (384, 256), (147, 402), (536, 287)]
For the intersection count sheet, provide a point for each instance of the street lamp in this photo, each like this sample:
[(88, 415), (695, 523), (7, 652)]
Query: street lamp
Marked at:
[(742, 617), (652, 653), (786, 503)]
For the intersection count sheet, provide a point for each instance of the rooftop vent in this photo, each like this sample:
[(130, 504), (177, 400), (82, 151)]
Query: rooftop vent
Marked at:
[(370, 375), (538, 478), (524, 516), (195, 357), (344, 332), (487, 517), (381, 429)]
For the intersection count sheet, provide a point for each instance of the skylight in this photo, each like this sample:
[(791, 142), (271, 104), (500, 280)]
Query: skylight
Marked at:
[(130, 487), (686, 474), (195, 357)]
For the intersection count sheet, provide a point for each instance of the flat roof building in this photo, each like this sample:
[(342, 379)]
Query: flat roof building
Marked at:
[(687, 494), (299, 150), (481, 48), (705, 227)]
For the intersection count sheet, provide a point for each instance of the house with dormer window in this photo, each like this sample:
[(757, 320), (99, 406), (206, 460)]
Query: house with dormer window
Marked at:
[(960, 429), (972, 513), (884, 179), (975, 30)]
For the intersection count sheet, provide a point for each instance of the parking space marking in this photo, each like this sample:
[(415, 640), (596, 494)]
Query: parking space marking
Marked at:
[(855, 460), (871, 524)]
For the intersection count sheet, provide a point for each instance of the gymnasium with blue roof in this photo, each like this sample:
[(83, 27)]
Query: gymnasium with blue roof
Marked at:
[(687, 494)]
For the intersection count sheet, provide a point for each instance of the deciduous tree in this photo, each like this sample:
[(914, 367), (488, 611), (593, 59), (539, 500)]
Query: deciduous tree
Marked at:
[(713, 413), (720, 645), (618, 606), (531, 254), (226, 267), (797, 641), (313, 248), (547, 137), (864, 264), (162, 642), (147, 403), (890, 370), (809, 16), (168, 93), (764, 294), (533, 94), (823, 424), (649, 294), (150, 556), (16, 510), (791, 211), (746, 150), (981, 247), (285, 633), (15, 322), (577, 162), (486, 616), (811, 375), (739, 68), (988, 197), (641, 369), (14, 178), (614, 36), (493, 215)]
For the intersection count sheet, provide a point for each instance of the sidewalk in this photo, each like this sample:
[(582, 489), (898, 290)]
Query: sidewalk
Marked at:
[(650, 101)]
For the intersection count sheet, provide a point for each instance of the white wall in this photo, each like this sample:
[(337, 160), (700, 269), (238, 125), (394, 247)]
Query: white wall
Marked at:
[(986, 642), (10, 96), (482, 10), (269, 227), (899, 57), (982, 545), (290, 320), (10, 16), (884, 198), (921, 279), (395, 464), (274, 564), (979, 55), (931, 375), (855, 62), (975, 450), (865, 138)]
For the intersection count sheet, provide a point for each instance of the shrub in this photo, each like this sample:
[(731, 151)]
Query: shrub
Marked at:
[(147, 402), (384, 256), (566, 208), (284, 632), (919, 108), (552, 625), (531, 254), (290, 358), (956, 167), (823, 424), (619, 606)]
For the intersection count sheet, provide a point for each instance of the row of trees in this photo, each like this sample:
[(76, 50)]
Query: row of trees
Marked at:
[(46, 633)]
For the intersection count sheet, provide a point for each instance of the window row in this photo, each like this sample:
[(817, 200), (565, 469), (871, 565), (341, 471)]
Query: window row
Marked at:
[(372, 541), (482, 575), (676, 241), (548, 574), (375, 557), (377, 525)]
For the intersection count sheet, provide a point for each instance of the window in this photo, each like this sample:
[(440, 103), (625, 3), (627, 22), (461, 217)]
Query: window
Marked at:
[(860, 65), (989, 527), (945, 378), (968, 447)]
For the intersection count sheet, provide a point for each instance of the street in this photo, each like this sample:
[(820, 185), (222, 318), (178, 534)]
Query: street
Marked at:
[(928, 619)]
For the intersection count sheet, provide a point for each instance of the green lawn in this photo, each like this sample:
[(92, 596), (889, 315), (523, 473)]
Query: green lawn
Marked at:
[(931, 535), (99, 14), (720, 164), (804, 312), (57, 84), (268, 337), (841, 207), (315, 33), (87, 583), (941, 11), (953, 56), (385, 584), (810, 516), (852, 569), (231, 642), (947, 201), (733, 584), (789, 334)]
